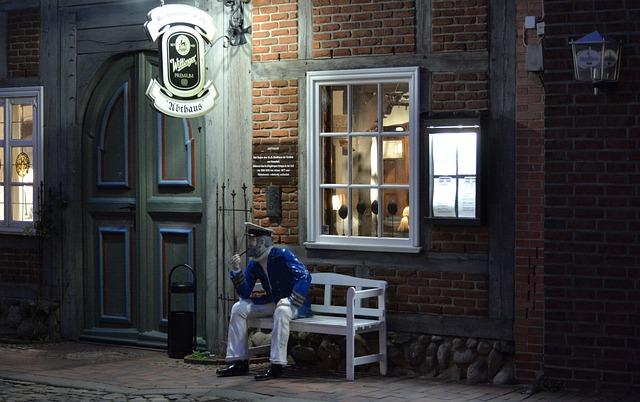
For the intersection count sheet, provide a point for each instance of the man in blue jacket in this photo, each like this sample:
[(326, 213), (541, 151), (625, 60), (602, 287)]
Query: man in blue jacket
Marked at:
[(286, 282)]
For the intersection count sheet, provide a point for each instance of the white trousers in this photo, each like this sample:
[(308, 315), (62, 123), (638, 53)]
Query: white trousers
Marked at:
[(237, 342)]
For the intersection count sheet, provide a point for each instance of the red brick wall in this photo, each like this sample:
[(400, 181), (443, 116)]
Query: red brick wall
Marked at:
[(529, 263), (363, 27), (592, 204), (274, 30), (416, 291), (23, 55), (459, 92), (459, 25), (19, 265), (459, 239), (275, 122)]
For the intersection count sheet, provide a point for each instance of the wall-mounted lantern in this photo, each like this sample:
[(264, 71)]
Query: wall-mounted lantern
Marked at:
[(596, 59)]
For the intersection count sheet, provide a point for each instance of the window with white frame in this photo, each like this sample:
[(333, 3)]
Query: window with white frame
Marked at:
[(362, 159), (20, 156)]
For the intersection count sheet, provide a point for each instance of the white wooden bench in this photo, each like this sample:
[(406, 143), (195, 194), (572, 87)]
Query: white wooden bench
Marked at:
[(344, 320)]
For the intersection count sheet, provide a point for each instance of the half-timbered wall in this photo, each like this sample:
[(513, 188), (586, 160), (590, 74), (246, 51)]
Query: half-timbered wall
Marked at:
[(457, 274)]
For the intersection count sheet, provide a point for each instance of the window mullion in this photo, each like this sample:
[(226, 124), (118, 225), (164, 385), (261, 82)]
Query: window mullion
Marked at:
[(349, 158), (379, 160), (6, 170)]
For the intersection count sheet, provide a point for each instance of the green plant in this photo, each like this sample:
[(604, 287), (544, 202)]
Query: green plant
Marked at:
[(198, 356)]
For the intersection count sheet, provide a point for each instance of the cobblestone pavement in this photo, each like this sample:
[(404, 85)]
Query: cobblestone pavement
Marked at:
[(71, 371), (18, 391)]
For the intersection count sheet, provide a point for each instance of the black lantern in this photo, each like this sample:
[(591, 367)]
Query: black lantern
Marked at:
[(596, 59)]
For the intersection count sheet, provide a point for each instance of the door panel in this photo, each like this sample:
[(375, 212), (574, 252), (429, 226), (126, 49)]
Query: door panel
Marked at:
[(143, 205)]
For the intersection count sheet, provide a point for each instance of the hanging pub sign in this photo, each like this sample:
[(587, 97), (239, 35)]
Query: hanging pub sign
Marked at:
[(183, 90)]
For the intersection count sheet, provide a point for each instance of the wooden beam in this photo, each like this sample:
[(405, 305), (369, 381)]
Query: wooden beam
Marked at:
[(305, 30), (476, 327), (114, 40), (500, 151), (449, 62), (434, 262), (423, 26), (9, 5), (3, 46)]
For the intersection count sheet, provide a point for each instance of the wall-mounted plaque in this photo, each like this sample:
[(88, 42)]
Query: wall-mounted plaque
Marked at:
[(275, 164)]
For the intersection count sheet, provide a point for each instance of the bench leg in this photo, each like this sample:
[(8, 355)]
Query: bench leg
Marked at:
[(382, 341), (350, 356)]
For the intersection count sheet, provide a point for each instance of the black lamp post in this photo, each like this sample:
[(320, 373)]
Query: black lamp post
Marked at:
[(596, 59)]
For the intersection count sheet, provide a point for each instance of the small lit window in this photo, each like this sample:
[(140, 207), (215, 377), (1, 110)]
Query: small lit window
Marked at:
[(20, 156), (454, 164), (362, 150)]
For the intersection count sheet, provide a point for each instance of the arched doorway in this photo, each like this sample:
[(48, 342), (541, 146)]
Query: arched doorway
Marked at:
[(143, 208)]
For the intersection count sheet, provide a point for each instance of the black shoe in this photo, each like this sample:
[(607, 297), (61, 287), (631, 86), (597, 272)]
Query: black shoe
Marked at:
[(237, 367), (274, 371)]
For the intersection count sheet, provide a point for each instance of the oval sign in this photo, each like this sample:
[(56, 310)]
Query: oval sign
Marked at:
[(182, 64), (587, 58)]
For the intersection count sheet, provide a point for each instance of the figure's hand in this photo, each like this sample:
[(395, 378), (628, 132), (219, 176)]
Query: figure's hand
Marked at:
[(235, 262), (284, 302)]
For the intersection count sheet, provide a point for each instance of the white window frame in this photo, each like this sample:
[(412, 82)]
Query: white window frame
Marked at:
[(315, 238), (6, 96)]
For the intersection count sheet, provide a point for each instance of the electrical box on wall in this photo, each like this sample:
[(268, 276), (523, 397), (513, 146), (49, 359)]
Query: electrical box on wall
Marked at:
[(533, 59)]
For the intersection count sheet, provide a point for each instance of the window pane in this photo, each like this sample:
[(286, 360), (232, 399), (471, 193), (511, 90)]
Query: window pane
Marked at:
[(467, 197), (21, 122), (335, 211), (335, 160), (365, 217), (1, 122), (334, 109), (22, 164), (467, 153), (395, 160), (395, 213), (22, 203), (2, 161), (395, 107), (364, 108), (365, 160)]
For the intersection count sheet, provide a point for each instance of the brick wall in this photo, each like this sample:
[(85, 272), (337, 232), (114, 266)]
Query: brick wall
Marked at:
[(459, 92), (416, 291), (459, 25), (275, 123), (529, 263), (459, 239), (274, 30), (363, 27), (592, 214), (23, 41), (19, 265)]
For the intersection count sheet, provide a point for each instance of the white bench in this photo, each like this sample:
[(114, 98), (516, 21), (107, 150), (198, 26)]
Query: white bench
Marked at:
[(344, 320)]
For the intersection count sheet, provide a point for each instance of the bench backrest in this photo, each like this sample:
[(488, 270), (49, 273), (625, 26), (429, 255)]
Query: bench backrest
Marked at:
[(329, 280)]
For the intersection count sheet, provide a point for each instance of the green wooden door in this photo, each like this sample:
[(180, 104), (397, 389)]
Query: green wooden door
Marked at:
[(143, 208)]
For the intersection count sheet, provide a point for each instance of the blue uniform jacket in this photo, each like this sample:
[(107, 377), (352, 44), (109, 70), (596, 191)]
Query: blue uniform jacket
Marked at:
[(288, 277)]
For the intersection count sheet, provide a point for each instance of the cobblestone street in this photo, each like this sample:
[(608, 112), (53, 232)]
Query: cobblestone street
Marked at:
[(17, 391), (70, 371)]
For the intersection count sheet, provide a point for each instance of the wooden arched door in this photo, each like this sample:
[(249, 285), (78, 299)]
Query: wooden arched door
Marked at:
[(143, 205)]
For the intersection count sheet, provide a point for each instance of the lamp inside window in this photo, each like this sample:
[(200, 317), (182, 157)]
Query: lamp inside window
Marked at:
[(454, 166)]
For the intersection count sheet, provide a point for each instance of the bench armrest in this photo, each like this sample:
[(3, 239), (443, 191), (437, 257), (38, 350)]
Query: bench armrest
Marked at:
[(363, 294), (353, 295)]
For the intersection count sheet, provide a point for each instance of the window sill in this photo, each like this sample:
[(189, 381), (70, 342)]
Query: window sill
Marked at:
[(357, 247), (17, 231)]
